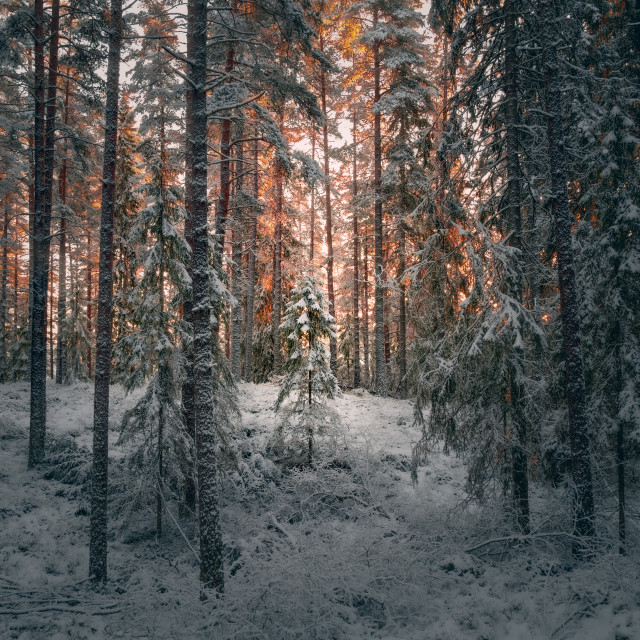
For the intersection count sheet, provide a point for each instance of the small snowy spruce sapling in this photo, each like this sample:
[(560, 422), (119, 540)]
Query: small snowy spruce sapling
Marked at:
[(308, 326), (163, 449)]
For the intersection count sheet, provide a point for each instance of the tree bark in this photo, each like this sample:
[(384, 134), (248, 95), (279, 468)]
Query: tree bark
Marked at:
[(61, 354), (277, 272), (312, 241), (576, 392), (40, 258), (519, 457), (211, 563), (365, 314), (356, 258), (187, 392), (402, 310), (89, 302), (251, 276), (100, 471), (381, 370), (333, 347), (3, 292), (222, 204), (236, 272)]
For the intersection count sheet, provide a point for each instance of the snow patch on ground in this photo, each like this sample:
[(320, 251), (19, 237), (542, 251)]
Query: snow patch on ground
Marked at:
[(347, 550)]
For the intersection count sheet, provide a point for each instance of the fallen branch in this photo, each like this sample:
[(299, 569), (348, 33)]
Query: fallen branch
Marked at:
[(522, 538), (19, 612)]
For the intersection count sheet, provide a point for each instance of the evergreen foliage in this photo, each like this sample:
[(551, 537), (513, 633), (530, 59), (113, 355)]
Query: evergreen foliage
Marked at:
[(307, 325)]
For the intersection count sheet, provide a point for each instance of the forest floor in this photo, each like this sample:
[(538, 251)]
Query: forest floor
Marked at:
[(347, 550)]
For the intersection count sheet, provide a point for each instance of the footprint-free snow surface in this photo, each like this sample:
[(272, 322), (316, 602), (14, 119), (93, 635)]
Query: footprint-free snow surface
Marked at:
[(348, 549)]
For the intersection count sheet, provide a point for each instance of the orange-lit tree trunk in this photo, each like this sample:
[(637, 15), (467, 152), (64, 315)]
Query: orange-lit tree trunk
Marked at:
[(89, 301), (312, 222), (251, 268), (3, 292), (333, 348), (356, 258), (236, 268), (277, 270), (381, 369), (365, 313)]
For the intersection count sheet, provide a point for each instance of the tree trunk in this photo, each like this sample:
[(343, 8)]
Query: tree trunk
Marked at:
[(222, 204), (89, 302), (3, 293), (576, 393), (333, 347), (519, 457), (61, 355), (99, 475), (50, 339), (381, 371), (277, 265), (251, 276), (277, 273), (402, 310), (621, 501), (312, 241), (236, 273), (365, 314), (356, 258), (40, 258), (211, 563), (187, 392)]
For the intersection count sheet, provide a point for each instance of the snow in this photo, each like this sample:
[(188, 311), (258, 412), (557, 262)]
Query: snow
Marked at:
[(345, 550)]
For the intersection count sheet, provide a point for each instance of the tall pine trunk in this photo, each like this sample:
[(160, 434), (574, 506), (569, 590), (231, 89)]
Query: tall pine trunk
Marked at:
[(3, 292), (89, 301), (402, 310), (211, 563), (39, 257), (236, 273), (251, 268), (333, 347), (312, 221), (356, 258), (519, 435), (187, 392), (381, 369), (222, 204), (571, 336), (100, 470), (365, 314), (61, 352), (277, 272)]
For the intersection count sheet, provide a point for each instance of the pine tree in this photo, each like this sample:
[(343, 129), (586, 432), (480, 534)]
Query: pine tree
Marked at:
[(99, 476), (306, 325)]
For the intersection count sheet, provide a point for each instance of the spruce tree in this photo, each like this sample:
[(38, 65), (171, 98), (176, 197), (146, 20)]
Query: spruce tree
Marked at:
[(307, 326)]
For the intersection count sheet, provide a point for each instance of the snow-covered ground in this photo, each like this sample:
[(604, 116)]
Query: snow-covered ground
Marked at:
[(348, 550)]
